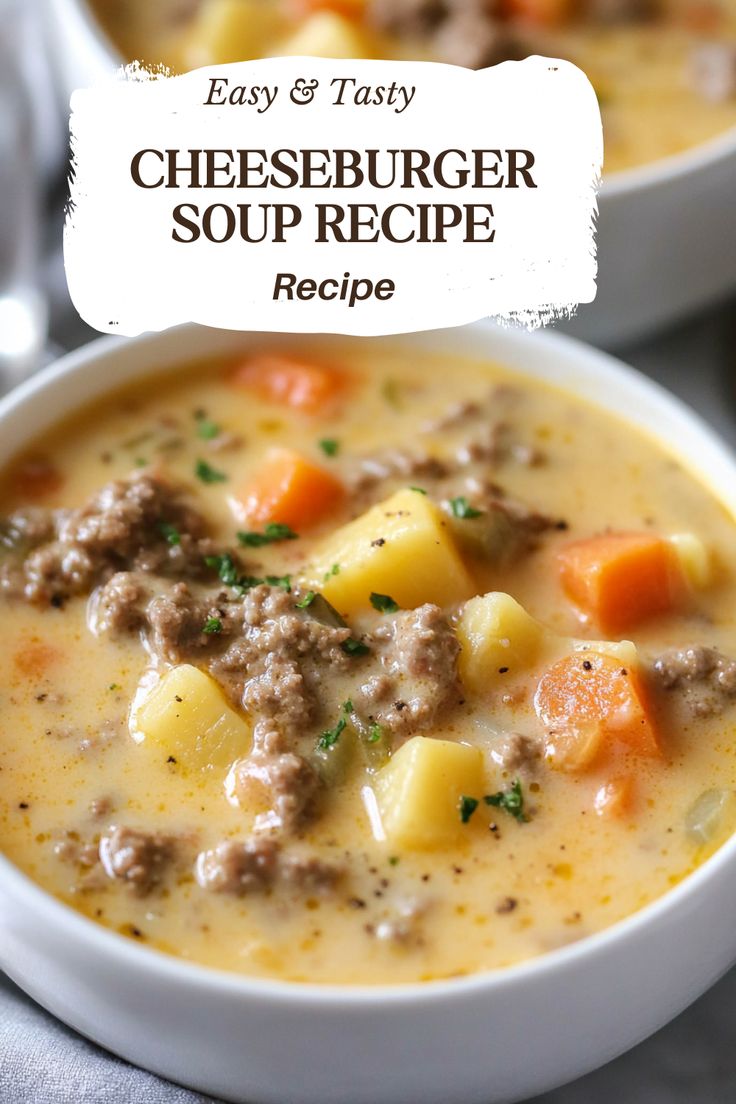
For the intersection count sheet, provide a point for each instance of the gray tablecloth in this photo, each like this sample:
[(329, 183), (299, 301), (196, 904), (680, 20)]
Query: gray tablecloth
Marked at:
[(692, 1061)]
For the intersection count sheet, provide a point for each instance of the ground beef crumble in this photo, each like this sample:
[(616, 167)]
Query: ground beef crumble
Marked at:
[(137, 858), (125, 526), (418, 652), (259, 863), (703, 678)]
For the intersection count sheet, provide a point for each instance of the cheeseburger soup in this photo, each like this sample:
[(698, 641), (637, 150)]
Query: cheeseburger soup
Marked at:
[(664, 70), (341, 665)]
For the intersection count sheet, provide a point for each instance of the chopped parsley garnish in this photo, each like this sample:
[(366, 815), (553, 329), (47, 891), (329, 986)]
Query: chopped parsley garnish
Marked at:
[(140, 462), (467, 806), (225, 568), (212, 625), (384, 603), (461, 508), (114, 686), (274, 532), (393, 860), (172, 534), (334, 570), (419, 490), (206, 429), (330, 736), (207, 473), (375, 732), (307, 600), (283, 581), (511, 800), (330, 446), (353, 647)]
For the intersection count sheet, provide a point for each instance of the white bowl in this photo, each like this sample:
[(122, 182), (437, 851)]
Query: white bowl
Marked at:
[(494, 1037), (666, 231)]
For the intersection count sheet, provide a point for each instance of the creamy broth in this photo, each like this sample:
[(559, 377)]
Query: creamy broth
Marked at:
[(507, 884), (665, 73)]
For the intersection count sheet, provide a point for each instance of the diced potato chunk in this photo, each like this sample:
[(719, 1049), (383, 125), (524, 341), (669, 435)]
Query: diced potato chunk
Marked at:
[(325, 34), (694, 558), (230, 30), (186, 715), (495, 632), (419, 791), (401, 547)]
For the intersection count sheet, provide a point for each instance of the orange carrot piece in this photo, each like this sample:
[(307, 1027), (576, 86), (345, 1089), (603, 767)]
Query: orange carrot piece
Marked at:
[(311, 388), (349, 9), (615, 798), (621, 579), (542, 13), (291, 490), (36, 478), (589, 704)]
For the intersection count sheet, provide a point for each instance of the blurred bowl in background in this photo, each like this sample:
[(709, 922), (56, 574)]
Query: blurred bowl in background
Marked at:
[(666, 230)]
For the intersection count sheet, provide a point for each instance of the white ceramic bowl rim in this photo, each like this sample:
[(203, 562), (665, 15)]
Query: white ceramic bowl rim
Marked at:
[(276, 992), (621, 183)]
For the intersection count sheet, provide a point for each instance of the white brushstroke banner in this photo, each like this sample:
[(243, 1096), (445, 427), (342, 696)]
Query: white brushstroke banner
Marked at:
[(293, 201)]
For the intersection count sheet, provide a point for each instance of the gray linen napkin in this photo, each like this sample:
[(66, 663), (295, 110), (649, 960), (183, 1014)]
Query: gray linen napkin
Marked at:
[(44, 1062)]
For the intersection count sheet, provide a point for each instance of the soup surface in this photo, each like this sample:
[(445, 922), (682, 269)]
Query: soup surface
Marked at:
[(664, 70), (343, 664)]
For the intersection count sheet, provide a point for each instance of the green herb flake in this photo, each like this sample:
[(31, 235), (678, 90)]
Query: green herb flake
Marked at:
[(307, 600), (114, 686), (274, 532), (334, 570), (467, 806), (461, 508), (393, 860), (225, 568), (283, 581), (212, 625), (418, 490), (207, 473), (511, 801), (353, 647), (172, 534), (375, 732), (206, 429), (140, 462), (329, 445), (330, 736), (384, 603)]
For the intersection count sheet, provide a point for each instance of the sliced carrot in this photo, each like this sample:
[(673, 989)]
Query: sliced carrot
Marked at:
[(349, 9), (291, 490), (621, 579), (36, 478), (311, 388), (589, 705), (615, 798), (703, 17), (543, 13)]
